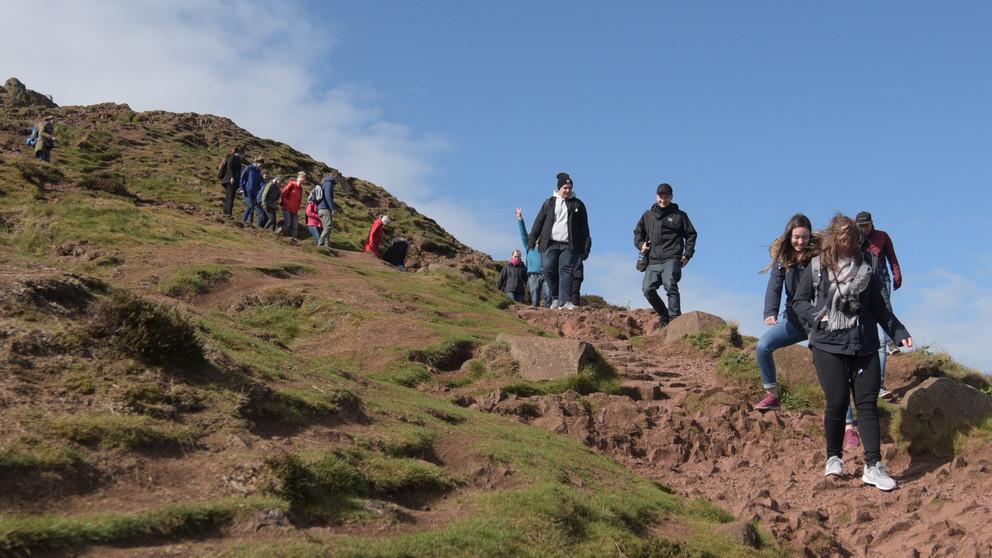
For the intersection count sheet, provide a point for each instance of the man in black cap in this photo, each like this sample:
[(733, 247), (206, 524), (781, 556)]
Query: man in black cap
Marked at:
[(882, 253), (667, 238)]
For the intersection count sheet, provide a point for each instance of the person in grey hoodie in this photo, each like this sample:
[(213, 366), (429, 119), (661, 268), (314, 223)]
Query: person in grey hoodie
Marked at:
[(561, 232), (667, 236), (536, 284)]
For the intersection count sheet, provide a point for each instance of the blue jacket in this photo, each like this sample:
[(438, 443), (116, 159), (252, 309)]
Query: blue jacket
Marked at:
[(251, 181), (533, 256), (328, 186)]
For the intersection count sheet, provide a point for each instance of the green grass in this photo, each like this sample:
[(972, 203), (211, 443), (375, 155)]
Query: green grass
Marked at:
[(394, 475), (195, 280), (737, 367), (284, 323), (27, 455), (145, 330), (596, 376), (285, 269), (126, 432), (445, 356), (803, 397), (24, 534)]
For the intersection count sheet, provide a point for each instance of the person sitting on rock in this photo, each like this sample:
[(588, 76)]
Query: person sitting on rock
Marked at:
[(396, 254), (843, 308), (791, 254), (513, 278), (374, 237)]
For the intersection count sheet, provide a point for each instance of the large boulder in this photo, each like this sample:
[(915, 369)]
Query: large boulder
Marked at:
[(794, 366), (936, 409), (13, 93), (691, 323), (542, 358)]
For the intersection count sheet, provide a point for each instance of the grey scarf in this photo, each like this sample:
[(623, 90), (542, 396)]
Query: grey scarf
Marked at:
[(847, 282)]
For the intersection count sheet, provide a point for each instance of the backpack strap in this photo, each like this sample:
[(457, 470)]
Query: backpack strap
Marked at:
[(815, 267)]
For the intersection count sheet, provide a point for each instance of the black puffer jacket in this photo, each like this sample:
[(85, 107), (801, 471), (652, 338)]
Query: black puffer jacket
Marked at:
[(513, 279), (578, 227), (861, 339), (670, 231)]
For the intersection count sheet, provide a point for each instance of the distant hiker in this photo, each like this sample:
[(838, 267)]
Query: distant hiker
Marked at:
[(232, 174), (375, 234), (561, 233), (790, 254), (577, 276), (325, 209), (536, 284), (289, 200), (313, 222), (513, 278), (842, 309), (666, 235), (396, 254), (269, 199), (44, 140), (251, 185), (883, 256)]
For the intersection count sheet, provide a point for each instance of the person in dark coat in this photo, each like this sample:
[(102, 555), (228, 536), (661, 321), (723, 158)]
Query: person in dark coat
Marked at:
[(666, 235), (231, 178), (842, 309), (561, 233), (325, 210), (513, 278), (45, 141), (251, 185), (396, 254)]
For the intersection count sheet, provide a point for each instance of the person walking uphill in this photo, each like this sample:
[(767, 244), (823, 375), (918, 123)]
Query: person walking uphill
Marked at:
[(843, 308), (232, 174), (561, 232), (251, 185), (289, 200), (513, 278), (790, 253), (375, 234), (45, 140), (666, 235), (536, 284)]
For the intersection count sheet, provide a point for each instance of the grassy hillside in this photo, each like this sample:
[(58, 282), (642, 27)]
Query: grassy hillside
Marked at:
[(171, 378)]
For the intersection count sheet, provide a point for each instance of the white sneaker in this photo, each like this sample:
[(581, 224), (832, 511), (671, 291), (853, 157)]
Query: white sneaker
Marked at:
[(835, 466), (884, 393), (568, 306), (555, 304), (878, 476)]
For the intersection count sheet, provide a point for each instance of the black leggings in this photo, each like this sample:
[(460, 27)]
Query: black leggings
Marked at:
[(841, 375)]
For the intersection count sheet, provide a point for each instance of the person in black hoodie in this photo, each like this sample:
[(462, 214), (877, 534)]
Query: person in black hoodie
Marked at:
[(561, 233), (232, 178), (666, 235), (841, 302), (513, 278)]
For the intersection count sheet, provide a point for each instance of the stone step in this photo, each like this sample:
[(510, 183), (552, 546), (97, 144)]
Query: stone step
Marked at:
[(643, 391)]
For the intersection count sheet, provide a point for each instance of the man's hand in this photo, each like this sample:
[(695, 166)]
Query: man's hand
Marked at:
[(519, 213), (645, 248), (685, 261), (771, 320), (907, 342)]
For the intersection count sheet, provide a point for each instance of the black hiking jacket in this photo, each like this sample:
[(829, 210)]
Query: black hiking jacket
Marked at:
[(513, 279), (670, 231), (862, 338), (233, 172), (578, 227)]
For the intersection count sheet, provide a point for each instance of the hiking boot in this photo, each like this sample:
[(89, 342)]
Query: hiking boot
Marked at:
[(851, 438), (877, 476), (568, 306), (769, 403), (835, 466), (555, 304)]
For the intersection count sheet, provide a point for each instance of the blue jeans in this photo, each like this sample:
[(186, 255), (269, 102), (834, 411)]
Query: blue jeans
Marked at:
[(783, 334), (558, 262), (250, 207), (315, 233), (540, 294), (267, 218), (666, 274), (290, 222)]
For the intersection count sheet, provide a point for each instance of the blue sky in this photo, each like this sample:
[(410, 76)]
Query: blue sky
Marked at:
[(751, 110)]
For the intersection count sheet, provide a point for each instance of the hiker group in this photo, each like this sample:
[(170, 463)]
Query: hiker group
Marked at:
[(270, 197)]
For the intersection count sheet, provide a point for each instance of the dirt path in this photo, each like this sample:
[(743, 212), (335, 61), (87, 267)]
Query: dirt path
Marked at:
[(680, 425)]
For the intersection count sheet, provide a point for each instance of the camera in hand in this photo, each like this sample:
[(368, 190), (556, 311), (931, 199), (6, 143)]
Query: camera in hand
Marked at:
[(850, 306)]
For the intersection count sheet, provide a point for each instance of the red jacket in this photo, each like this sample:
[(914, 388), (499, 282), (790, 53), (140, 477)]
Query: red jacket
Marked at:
[(290, 197), (880, 245), (375, 237)]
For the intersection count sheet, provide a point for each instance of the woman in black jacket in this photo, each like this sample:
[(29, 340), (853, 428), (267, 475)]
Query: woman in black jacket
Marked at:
[(791, 254), (842, 307)]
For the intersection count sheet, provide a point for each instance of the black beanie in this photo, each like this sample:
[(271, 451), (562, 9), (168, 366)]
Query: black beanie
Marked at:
[(563, 178)]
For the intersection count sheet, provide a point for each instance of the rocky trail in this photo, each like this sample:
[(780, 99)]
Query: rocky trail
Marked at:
[(680, 424)]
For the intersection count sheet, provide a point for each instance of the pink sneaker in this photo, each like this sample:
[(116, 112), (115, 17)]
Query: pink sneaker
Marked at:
[(769, 403), (851, 438)]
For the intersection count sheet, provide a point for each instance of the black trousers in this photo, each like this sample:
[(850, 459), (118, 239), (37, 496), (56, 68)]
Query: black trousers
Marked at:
[(230, 191), (840, 376)]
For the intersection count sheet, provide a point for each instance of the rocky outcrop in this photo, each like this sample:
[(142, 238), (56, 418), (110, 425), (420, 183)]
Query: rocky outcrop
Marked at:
[(691, 323), (541, 358), (937, 408), (13, 93)]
